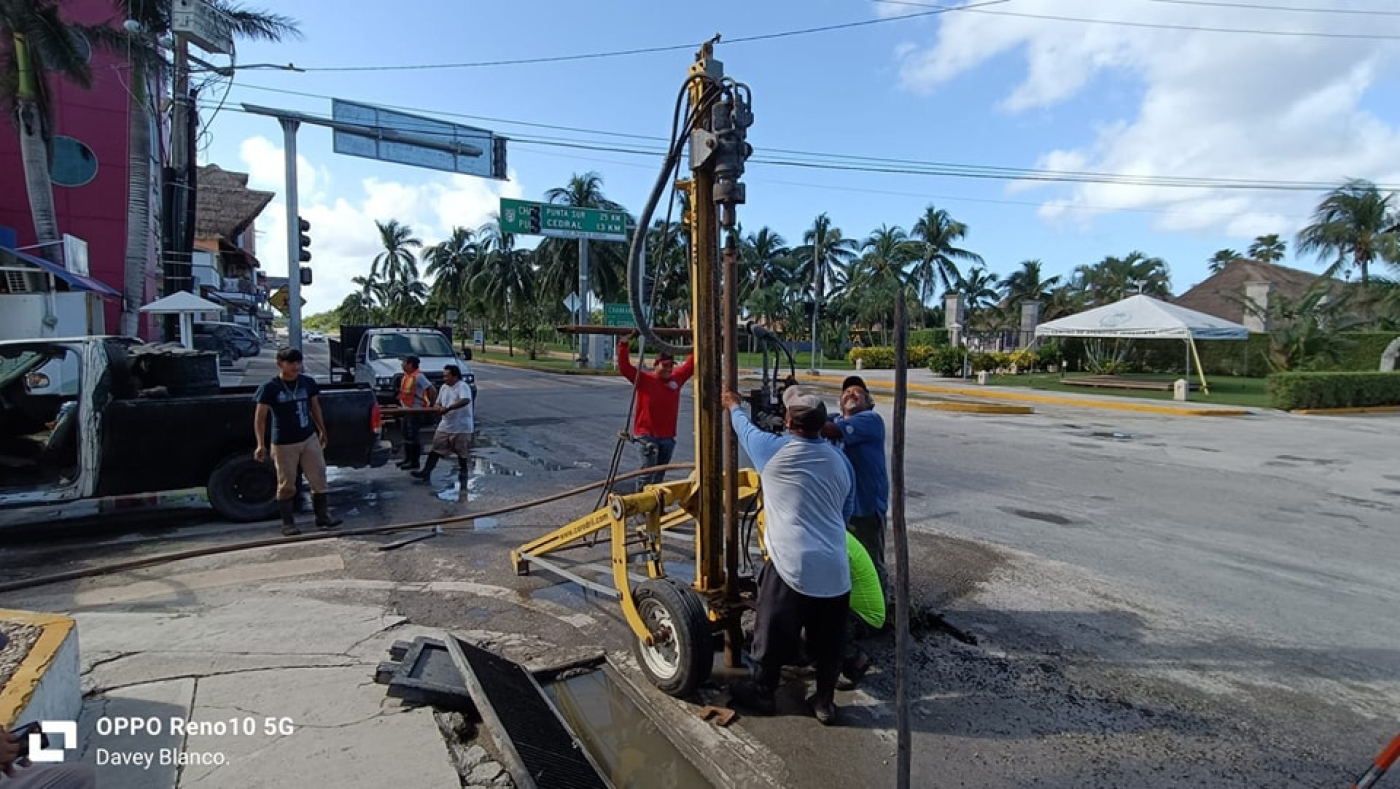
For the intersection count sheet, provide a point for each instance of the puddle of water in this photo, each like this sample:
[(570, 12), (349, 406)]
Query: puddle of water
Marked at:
[(624, 742), (483, 466), (486, 524), (487, 441)]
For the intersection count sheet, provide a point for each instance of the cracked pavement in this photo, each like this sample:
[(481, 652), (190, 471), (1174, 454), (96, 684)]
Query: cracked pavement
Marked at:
[(1192, 604)]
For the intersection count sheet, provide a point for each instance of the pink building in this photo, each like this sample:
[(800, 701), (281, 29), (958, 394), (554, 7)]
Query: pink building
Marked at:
[(91, 165)]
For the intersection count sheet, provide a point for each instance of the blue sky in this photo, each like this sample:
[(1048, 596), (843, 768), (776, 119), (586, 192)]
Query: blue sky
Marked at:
[(974, 87)]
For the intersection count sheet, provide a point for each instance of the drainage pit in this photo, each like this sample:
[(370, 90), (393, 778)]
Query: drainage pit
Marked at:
[(624, 741)]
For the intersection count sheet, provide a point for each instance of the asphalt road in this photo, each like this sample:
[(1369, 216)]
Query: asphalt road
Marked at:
[(1157, 601)]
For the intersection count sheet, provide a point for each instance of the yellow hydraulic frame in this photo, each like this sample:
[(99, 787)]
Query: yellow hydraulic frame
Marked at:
[(717, 491)]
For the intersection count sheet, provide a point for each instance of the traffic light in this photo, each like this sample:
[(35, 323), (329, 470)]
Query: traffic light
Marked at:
[(304, 241), (305, 276), (534, 215)]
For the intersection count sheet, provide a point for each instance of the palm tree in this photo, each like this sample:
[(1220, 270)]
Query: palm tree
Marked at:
[(35, 41), (1114, 278), (938, 233), (147, 63), (1267, 249), (397, 261), (451, 265), (979, 289), (823, 249), (505, 276), (1028, 284), (1354, 221), (759, 254), (1223, 258)]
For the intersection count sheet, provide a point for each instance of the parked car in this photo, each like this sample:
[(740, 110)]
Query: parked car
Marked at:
[(88, 421), (240, 339)]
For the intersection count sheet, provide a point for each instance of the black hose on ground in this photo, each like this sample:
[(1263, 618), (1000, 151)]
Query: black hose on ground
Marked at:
[(213, 550)]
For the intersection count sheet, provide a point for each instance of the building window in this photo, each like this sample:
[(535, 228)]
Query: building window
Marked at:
[(74, 164)]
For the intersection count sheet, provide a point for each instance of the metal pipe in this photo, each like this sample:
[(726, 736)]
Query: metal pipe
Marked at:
[(289, 153), (734, 636), (901, 541)]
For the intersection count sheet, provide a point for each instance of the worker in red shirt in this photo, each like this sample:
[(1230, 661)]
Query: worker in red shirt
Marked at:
[(658, 400)]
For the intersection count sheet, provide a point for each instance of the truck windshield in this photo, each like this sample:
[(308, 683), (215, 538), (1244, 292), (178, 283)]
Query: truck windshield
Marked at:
[(424, 345)]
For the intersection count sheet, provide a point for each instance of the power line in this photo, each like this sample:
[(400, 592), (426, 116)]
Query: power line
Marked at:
[(842, 163), (1295, 9), (1163, 25), (658, 49)]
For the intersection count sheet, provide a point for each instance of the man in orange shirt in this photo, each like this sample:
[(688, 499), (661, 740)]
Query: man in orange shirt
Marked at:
[(658, 401)]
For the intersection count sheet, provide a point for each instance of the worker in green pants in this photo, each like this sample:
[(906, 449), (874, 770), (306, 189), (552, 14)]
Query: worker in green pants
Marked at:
[(867, 611)]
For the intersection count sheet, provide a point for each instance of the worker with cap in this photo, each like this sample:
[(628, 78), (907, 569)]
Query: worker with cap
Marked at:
[(861, 432), (805, 584), (657, 404)]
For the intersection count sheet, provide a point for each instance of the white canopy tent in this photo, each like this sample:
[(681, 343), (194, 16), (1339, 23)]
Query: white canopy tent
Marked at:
[(1143, 317), (186, 305)]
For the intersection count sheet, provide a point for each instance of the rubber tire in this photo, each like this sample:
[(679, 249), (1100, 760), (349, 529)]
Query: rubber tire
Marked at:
[(692, 630), (240, 471)]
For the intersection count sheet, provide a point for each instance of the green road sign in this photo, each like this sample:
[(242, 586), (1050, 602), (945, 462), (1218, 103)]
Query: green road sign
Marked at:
[(523, 217), (618, 315)]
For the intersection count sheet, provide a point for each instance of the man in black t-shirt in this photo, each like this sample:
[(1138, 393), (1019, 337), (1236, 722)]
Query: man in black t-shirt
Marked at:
[(298, 438)]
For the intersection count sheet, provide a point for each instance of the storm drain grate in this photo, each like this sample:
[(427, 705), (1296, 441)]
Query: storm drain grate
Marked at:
[(548, 751)]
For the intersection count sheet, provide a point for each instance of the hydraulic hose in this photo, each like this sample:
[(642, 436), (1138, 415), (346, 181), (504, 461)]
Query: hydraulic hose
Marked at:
[(456, 521), (635, 272)]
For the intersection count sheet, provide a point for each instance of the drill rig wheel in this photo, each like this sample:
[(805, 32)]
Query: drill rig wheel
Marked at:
[(683, 652)]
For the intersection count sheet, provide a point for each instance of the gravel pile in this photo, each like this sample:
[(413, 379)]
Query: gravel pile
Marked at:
[(19, 639)]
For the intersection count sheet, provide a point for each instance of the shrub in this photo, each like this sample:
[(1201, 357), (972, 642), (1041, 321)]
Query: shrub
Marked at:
[(945, 360), (931, 337), (1023, 360), (873, 358), (882, 358), (1291, 391)]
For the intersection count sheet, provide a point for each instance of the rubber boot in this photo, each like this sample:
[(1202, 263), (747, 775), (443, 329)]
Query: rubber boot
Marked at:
[(463, 472), (324, 519), (289, 517), (411, 455), (426, 474)]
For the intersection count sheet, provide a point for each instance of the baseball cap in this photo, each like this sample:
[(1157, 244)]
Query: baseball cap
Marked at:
[(665, 356), (805, 407), (854, 380)]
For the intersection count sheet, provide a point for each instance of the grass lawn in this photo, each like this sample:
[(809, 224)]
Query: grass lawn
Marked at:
[(746, 361), (1244, 392)]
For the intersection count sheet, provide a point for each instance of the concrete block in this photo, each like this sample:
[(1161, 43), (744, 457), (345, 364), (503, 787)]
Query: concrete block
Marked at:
[(47, 683)]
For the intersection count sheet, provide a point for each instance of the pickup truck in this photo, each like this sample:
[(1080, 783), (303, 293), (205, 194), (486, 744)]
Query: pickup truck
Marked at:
[(112, 430), (372, 355)]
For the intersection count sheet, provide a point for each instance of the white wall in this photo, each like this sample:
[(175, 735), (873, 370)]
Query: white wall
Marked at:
[(77, 313)]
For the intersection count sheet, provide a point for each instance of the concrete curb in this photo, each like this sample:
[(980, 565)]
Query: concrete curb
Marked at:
[(943, 405), (33, 691), (539, 369), (1145, 408), (1374, 409)]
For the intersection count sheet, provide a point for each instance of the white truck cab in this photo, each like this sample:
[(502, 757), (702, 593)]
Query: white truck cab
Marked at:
[(380, 353)]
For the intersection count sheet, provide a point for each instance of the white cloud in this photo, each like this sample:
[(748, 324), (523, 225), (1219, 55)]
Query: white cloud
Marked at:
[(1211, 105), (343, 234)]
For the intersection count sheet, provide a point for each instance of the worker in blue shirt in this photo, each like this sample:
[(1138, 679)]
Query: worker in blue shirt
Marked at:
[(861, 432)]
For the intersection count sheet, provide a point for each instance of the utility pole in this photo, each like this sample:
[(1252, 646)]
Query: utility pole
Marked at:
[(289, 148), (177, 262), (583, 300)]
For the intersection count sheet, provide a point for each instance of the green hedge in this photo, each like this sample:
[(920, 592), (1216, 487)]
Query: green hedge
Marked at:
[(1248, 358), (1291, 391), (930, 337), (882, 358)]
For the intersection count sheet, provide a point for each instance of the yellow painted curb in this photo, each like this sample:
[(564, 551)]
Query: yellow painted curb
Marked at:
[(1374, 409), (538, 369), (973, 408), (19, 689), (1053, 400)]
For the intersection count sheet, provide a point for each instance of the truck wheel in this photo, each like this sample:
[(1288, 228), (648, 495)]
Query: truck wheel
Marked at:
[(242, 489), (684, 653)]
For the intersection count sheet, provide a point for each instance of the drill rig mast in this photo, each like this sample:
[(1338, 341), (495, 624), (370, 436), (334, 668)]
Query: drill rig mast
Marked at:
[(675, 623)]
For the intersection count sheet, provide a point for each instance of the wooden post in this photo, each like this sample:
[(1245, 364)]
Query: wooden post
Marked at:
[(901, 540)]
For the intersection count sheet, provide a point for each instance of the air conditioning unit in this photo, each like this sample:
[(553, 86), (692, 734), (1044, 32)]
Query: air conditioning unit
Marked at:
[(24, 282)]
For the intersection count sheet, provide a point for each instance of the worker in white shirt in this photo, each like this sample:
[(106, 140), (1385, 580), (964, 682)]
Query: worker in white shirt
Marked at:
[(456, 428)]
